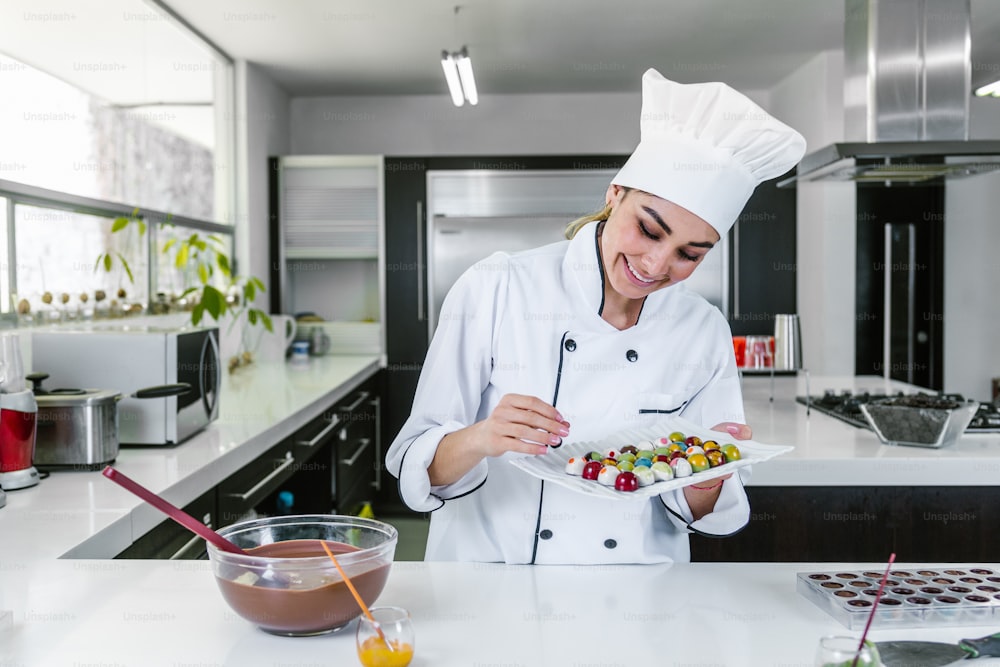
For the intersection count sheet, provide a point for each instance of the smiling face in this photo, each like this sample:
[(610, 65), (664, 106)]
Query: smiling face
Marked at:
[(649, 243)]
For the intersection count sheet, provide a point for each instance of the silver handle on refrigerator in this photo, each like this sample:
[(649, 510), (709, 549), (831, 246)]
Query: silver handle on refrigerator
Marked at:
[(420, 261), (736, 270), (888, 268)]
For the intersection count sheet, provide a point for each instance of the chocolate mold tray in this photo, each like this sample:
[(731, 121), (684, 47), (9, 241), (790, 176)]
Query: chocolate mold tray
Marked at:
[(912, 597)]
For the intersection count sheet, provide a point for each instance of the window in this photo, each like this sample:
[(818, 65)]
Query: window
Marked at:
[(120, 111)]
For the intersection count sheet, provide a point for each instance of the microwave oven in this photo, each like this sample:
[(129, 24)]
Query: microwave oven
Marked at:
[(126, 359)]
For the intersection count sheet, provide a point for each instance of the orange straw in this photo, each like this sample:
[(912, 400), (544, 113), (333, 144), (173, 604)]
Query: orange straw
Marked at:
[(354, 592)]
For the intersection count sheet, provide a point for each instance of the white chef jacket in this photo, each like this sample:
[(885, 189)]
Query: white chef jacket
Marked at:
[(529, 323)]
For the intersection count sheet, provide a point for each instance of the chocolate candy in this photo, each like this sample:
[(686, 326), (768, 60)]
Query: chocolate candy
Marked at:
[(698, 462), (592, 469), (575, 466), (626, 482), (662, 471), (715, 458), (645, 476), (607, 475), (731, 452), (681, 468)]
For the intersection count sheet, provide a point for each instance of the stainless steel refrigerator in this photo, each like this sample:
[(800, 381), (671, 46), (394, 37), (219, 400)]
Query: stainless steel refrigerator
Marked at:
[(474, 213)]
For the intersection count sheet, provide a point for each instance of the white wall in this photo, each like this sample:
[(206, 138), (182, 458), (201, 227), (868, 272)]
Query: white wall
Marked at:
[(262, 121), (811, 100), (429, 125), (971, 315)]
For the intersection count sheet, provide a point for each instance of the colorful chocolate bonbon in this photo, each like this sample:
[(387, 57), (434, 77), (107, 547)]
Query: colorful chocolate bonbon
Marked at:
[(658, 460)]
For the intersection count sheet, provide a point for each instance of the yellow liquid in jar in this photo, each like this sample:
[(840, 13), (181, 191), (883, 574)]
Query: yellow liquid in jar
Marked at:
[(375, 653)]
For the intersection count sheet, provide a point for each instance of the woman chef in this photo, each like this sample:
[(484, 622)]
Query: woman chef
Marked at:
[(584, 338)]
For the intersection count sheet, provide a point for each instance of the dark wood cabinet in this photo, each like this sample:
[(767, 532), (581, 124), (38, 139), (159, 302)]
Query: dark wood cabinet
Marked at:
[(762, 260), (169, 540), (331, 465), (862, 524), (358, 450)]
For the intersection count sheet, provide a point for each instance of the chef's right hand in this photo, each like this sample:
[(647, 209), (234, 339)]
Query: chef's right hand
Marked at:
[(517, 424), (524, 424)]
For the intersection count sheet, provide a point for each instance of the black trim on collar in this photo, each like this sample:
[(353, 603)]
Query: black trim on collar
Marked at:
[(695, 530), (600, 269), (600, 263)]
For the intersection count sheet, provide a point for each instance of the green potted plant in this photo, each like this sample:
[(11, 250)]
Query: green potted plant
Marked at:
[(130, 229), (218, 292)]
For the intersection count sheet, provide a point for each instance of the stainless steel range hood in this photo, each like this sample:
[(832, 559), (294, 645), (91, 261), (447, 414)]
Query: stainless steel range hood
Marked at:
[(907, 79)]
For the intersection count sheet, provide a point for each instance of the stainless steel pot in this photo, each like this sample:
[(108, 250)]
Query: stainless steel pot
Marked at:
[(78, 428)]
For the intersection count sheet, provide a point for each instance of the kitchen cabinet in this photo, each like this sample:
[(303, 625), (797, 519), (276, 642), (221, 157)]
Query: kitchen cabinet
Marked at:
[(763, 260), (292, 477), (331, 465), (171, 541), (927, 524), (326, 243), (358, 459)]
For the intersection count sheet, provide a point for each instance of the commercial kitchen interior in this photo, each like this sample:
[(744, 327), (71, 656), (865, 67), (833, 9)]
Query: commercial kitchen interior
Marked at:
[(250, 82)]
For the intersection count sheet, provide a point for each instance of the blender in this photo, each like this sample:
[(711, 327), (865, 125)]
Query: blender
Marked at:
[(18, 413)]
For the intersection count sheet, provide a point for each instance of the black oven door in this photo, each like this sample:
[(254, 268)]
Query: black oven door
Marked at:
[(198, 364)]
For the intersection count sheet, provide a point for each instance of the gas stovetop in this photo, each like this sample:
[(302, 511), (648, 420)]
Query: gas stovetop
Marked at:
[(845, 405)]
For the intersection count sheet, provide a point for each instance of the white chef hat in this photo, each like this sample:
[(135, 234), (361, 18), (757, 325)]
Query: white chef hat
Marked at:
[(705, 146)]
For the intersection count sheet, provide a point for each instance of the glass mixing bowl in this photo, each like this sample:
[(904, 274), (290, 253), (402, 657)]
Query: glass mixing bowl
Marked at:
[(287, 584)]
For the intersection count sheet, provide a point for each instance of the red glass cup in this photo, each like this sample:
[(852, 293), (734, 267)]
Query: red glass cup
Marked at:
[(739, 349)]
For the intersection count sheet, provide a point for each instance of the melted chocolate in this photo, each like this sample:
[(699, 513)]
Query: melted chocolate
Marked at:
[(302, 611)]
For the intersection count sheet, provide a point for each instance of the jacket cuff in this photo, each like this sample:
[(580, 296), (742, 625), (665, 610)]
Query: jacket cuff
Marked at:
[(730, 515), (414, 482)]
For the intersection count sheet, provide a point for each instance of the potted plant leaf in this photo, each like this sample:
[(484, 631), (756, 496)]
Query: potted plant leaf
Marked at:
[(129, 230), (217, 292)]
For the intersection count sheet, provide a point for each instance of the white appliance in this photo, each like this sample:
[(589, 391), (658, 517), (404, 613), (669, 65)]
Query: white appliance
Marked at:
[(126, 359)]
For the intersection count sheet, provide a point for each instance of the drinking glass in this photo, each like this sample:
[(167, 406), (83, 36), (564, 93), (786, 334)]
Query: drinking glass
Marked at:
[(758, 352), (839, 651), (739, 349), (397, 627)]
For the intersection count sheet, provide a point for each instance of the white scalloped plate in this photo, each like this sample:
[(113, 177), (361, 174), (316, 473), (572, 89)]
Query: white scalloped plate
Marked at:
[(552, 466)]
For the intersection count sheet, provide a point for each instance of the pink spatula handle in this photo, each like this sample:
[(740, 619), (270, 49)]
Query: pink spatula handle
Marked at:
[(175, 513)]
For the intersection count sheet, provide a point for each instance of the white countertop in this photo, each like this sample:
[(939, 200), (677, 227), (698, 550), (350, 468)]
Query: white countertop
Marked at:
[(258, 406), (83, 515), (829, 452), (153, 613), (65, 611)]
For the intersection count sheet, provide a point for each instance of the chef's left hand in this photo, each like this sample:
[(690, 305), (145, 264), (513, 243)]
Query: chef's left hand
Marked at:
[(737, 431)]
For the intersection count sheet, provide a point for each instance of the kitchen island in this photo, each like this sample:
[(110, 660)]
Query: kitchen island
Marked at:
[(63, 601), (76, 613), (842, 495)]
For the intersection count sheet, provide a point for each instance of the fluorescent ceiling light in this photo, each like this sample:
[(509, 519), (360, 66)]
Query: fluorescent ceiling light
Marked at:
[(465, 74), (458, 73), (450, 68)]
